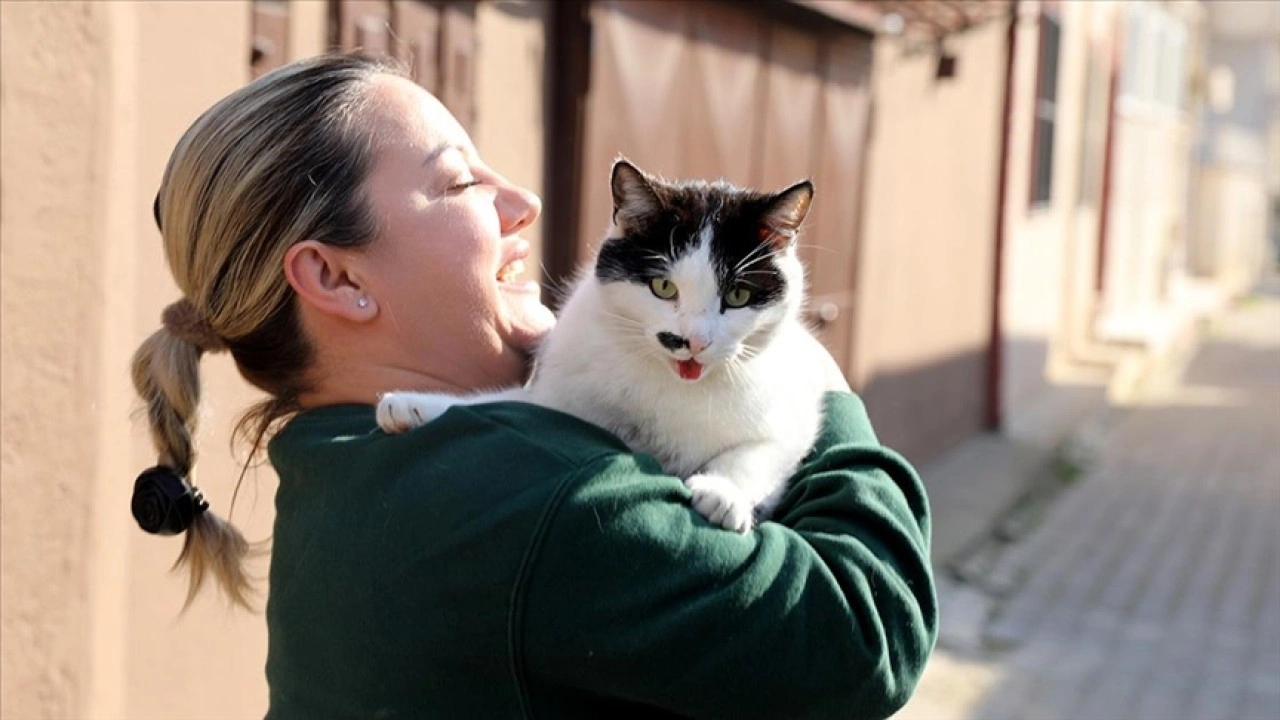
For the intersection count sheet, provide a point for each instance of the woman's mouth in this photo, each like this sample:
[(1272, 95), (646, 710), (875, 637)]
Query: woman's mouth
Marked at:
[(511, 272), (510, 278)]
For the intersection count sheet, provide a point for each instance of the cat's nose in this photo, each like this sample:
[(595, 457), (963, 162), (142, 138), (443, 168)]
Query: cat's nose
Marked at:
[(697, 344)]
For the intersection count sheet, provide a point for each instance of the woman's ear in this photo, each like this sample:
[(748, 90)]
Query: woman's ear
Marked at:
[(321, 276)]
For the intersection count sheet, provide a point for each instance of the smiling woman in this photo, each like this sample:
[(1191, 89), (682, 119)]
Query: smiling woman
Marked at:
[(446, 264), (334, 229)]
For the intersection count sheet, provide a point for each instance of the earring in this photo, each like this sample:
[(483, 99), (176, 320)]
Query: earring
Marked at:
[(362, 302)]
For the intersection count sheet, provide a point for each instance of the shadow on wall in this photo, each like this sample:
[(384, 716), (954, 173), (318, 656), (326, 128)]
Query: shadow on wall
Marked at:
[(925, 410)]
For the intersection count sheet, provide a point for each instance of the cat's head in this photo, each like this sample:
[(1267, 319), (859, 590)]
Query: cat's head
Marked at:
[(697, 274)]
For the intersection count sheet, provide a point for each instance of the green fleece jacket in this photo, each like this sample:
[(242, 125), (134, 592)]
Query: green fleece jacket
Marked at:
[(509, 561)]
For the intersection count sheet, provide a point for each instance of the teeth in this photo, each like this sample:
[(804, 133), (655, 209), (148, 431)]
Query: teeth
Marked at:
[(511, 271)]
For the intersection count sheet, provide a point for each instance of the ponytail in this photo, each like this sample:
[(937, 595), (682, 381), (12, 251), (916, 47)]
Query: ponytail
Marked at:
[(231, 203), (166, 375)]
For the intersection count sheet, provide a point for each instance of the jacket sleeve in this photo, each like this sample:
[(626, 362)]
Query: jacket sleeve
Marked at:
[(826, 611)]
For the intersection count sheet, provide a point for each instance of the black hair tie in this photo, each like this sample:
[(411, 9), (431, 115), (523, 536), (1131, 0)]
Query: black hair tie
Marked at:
[(164, 503)]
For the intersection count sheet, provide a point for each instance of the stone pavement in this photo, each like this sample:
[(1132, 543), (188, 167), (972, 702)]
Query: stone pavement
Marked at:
[(1150, 588)]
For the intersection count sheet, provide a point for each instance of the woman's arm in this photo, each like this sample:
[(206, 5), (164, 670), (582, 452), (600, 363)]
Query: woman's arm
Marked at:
[(829, 611)]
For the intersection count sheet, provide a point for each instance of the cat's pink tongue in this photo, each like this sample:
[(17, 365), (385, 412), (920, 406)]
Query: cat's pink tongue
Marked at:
[(689, 369)]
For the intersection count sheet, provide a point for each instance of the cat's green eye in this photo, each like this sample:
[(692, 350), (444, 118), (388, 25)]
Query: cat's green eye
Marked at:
[(737, 297), (663, 288)]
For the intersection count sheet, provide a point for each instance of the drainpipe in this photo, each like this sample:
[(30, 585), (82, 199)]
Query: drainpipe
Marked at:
[(1104, 211), (995, 347)]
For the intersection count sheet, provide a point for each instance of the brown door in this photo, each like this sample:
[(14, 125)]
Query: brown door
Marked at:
[(719, 90), (436, 40)]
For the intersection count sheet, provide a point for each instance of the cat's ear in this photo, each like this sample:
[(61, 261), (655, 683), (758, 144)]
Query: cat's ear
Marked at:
[(633, 195), (785, 212)]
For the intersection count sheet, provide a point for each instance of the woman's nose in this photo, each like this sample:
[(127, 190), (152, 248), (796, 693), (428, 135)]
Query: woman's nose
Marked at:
[(517, 208)]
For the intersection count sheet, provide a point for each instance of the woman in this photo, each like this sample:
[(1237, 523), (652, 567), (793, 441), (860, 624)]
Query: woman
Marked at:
[(333, 228)]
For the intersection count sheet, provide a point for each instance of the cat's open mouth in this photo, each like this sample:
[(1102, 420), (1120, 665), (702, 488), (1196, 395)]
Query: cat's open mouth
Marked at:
[(689, 369)]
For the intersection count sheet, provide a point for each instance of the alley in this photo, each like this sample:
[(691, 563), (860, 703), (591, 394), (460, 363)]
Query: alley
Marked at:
[(1152, 587)]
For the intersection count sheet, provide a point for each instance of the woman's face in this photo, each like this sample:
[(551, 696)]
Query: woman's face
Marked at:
[(445, 268)]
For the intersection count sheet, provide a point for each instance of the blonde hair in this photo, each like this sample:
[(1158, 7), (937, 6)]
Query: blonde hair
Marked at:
[(280, 160)]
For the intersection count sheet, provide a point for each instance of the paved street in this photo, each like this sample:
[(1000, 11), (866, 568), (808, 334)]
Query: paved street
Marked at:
[(1152, 587)]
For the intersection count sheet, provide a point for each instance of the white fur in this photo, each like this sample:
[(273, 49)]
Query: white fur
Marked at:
[(735, 435)]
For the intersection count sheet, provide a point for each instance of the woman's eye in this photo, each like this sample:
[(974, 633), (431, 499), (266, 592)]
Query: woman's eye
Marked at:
[(464, 185), (663, 288), (737, 297)]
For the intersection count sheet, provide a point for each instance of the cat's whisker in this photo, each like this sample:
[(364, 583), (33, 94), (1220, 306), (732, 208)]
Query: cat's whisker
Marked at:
[(757, 261), (625, 321), (733, 367), (819, 248), (749, 255), (754, 272), (749, 352), (555, 286)]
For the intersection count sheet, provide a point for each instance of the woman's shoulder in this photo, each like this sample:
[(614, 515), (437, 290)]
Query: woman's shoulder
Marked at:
[(575, 441), (491, 439), (508, 462)]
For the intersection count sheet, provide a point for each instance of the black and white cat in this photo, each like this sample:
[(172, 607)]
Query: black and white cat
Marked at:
[(686, 342)]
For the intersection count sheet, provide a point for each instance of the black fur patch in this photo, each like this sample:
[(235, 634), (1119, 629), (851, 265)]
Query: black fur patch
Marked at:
[(672, 341), (670, 221)]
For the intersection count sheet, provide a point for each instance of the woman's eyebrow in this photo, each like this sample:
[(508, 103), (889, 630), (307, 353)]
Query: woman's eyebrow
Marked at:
[(442, 149)]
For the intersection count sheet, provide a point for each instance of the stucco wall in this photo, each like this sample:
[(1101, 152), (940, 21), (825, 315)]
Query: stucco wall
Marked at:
[(1049, 252), (52, 62), (93, 97)]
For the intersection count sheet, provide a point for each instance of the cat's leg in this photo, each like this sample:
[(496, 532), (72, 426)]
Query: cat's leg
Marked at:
[(403, 411), (740, 482)]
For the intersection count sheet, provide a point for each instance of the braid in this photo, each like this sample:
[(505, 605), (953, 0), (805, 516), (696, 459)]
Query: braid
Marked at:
[(166, 375)]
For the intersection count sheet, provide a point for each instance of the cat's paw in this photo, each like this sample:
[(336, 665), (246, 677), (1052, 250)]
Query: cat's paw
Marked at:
[(401, 412), (722, 502)]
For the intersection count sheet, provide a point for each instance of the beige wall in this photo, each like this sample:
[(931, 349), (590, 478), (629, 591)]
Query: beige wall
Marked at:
[(96, 95), (1230, 240), (929, 224), (1050, 252), (1146, 253), (52, 63), (93, 97), (925, 270), (1239, 141)]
